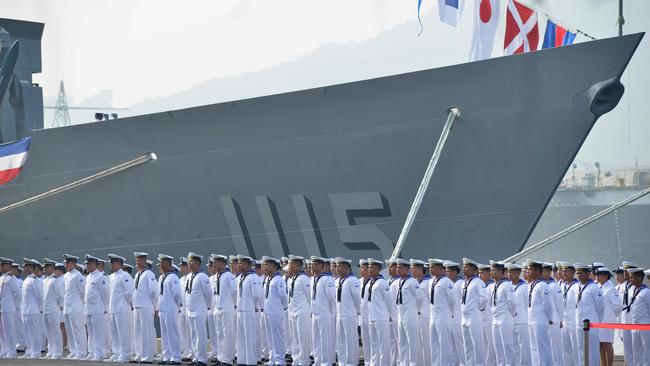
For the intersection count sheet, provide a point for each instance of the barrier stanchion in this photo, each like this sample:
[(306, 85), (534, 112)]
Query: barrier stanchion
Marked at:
[(585, 329)]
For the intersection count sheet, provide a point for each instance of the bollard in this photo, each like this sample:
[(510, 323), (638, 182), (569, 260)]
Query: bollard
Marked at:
[(585, 328)]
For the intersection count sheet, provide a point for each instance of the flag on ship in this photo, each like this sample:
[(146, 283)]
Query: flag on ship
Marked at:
[(522, 32), (12, 159), (486, 19), (557, 35), (450, 11)]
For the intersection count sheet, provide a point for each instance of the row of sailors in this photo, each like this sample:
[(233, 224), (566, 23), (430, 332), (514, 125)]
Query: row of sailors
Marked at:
[(425, 314)]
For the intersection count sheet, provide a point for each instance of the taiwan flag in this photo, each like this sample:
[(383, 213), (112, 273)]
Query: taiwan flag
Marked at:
[(557, 36), (12, 159)]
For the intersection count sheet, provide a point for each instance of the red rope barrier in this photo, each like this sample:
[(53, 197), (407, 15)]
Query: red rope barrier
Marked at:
[(620, 326)]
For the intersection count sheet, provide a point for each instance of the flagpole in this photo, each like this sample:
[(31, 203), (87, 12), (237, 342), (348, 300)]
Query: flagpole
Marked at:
[(621, 20)]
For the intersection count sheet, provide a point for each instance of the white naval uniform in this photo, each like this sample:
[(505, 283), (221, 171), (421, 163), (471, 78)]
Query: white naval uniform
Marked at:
[(225, 316), (299, 318), (10, 294), (107, 320), (486, 315), (53, 292), (612, 307), (424, 319), (183, 323), (639, 313), (97, 295), (31, 309), (540, 314), (409, 298), (381, 305), (626, 291), (263, 341), (212, 328), (589, 306), (348, 307), (503, 312), (521, 339), (275, 303), (456, 328), (287, 324), (442, 304), (555, 332), (473, 301), (323, 309), (20, 326), (73, 309), (119, 307), (250, 295), (393, 283), (363, 321), (199, 300), (569, 338), (170, 298), (145, 300)]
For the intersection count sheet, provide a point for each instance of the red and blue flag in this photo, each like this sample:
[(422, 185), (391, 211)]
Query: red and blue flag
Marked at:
[(12, 159), (557, 36)]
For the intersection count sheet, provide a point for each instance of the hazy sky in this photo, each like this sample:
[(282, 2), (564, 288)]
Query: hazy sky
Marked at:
[(146, 52)]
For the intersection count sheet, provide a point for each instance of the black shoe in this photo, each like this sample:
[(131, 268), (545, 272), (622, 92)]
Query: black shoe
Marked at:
[(174, 363), (198, 363), (134, 361), (162, 363), (146, 362), (186, 359)]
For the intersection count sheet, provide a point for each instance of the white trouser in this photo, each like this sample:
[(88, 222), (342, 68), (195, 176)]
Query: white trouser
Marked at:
[(555, 333), (212, 336), (20, 331), (225, 324), (504, 350), (264, 344), (394, 347), (474, 341), (348, 340), (323, 339), (198, 336), (442, 348), (171, 343), (521, 344), (33, 333), (287, 333), (457, 343), (9, 334), (365, 339), (300, 336), (184, 332), (248, 351), (74, 328), (640, 347), (628, 346), (95, 325), (42, 338), (380, 349), (107, 338), (274, 325), (569, 345), (489, 343), (54, 336), (145, 334), (540, 345), (121, 334), (408, 339), (594, 346), (425, 339)]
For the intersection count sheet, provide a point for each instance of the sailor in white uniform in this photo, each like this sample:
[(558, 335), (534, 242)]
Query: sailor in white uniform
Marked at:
[(31, 310), (73, 308), (364, 278), (106, 348), (323, 310), (393, 282), (503, 312), (589, 305), (97, 296), (380, 307), (420, 273), (184, 325), (145, 300), (473, 301), (17, 270), (250, 294), (348, 309), (441, 298), (299, 311), (540, 314), (53, 292), (225, 292), (521, 334), (275, 306), (452, 269), (119, 308), (170, 297), (626, 291), (199, 300), (638, 312), (557, 304), (485, 274), (569, 288), (10, 294), (612, 307), (212, 328), (409, 297)]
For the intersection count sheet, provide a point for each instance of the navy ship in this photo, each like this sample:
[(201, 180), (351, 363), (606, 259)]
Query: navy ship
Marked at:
[(326, 171)]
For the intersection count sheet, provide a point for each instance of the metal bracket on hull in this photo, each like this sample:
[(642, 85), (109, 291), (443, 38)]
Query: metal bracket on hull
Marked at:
[(105, 173), (454, 112)]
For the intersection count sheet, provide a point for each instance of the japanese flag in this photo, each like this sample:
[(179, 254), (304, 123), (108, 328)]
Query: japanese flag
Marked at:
[(486, 20)]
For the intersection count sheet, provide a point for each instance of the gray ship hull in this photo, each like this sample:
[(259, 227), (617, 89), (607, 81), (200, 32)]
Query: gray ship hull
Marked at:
[(327, 171)]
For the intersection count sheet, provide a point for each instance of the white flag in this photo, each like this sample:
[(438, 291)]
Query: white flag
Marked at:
[(450, 11), (486, 19)]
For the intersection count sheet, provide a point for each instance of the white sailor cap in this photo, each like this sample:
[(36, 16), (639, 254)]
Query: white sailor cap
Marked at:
[(266, 259), (91, 258), (401, 262), (165, 257), (567, 265), (315, 258), (183, 261), (101, 260), (619, 270), (417, 262), (513, 266), (363, 262), (603, 270), (628, 264), (548, 265), (647, 272), (140, 254), (59, 265), (296, 258), (6, 260), (284, 259), (219, 257), (242, 257), (175, 267), (372, 261), (391, 262), (331, 260), (635, 270), (497, 264), (532, 263), (127, 265), (483, 267), (32, 262), (114, 257), (232, 258), (308, 262), (435, 261), (257, 262), (581, 267), (340, 260), (194, 256), (470, 262), (450, 264), (81, 266), (47, 261), (16, 265), (150, 262), (70, 257), (595, 265)]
